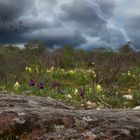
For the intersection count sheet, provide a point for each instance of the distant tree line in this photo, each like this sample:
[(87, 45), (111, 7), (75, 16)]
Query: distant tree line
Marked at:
[(13, 60)]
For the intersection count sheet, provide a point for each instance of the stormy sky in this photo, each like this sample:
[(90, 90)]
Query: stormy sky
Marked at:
[(83, 24)]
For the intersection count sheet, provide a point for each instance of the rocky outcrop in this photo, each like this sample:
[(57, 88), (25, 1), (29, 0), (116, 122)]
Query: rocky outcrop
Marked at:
[(39, 118)]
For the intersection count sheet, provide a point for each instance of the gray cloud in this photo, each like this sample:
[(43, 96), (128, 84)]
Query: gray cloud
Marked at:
[(107, 6), (82, 14), (133, 22), (80, 23), (132, 27), (12, 10)]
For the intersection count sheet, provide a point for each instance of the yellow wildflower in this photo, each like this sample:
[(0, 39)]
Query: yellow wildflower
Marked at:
[(37, 69), (98, 88), (52, 68), (16, 86), (129, 90), (48, 70), (28, 69), (69, 96), (89, 70), (133, 76), (76, 91), (93, 72), (71, 71), (129, 73), (93, 63)]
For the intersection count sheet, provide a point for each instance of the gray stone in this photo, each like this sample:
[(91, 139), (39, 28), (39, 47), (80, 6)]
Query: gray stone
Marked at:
[(43, 118)]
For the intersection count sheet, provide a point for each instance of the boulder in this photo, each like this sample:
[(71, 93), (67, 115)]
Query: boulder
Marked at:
[(42, 118)]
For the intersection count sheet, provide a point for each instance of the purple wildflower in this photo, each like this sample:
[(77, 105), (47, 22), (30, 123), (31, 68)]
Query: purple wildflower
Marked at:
[(31, 82), (56, 84), (81, 92), (58, 90), (40, 85)]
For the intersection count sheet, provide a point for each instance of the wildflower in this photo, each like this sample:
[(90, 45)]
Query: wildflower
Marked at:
[(28, 69), (123, 73), (82, 105), (76, 91), (133, 76), (59, 90), (81, 92), (98, 88), (89, 70), (40, 85), (52, 68), (93, 63), (129, 90), (48, 70), (129, 73), (128, 97), (31, 82), (69, 96), (94, 75), (88, 103), (92, 72), (37, 69), (85, 76), (71, 71), (16, 86), (56, 84)]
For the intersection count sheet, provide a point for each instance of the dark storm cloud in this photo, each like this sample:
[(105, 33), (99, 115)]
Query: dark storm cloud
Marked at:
[(107, 6), (13, 9), (72, 40), (79, 23), (133, 22), (88, 21), (56, 36), (132, 26), (83, 14), (11, 14)]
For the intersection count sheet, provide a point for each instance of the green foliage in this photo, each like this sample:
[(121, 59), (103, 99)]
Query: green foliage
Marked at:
[(103, 77), (67, 57), (126, 48)]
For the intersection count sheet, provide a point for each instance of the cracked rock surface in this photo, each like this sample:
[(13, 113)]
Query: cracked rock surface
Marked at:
[(41, 118)]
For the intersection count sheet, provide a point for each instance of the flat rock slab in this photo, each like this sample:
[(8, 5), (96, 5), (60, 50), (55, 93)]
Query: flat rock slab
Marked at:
[(41, 118)]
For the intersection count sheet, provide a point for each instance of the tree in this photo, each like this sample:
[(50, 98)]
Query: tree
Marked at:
[(35, 47), (34, 51), (126, 48), (67, 59)]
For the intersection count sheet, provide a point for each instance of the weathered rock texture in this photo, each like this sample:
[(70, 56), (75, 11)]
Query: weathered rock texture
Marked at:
[(40, 118)]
